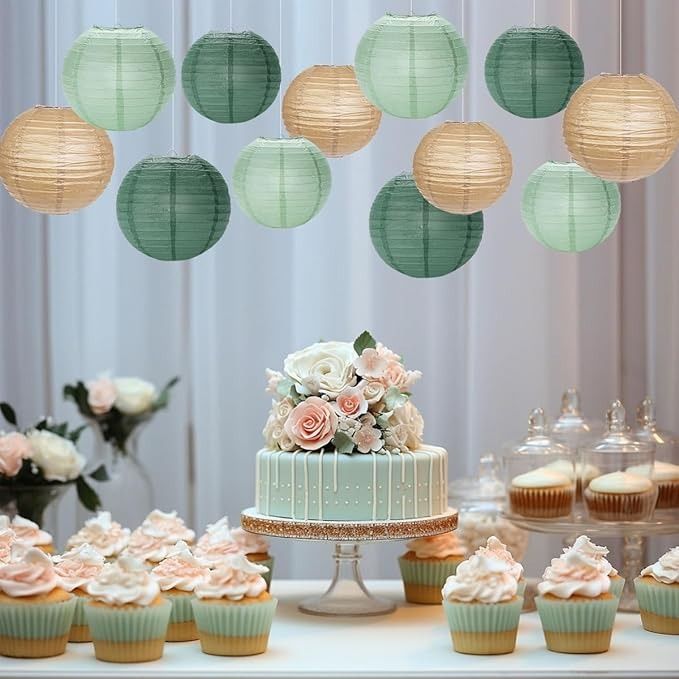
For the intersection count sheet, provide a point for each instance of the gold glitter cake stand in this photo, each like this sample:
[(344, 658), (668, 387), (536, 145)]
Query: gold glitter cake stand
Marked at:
[(347, 593)]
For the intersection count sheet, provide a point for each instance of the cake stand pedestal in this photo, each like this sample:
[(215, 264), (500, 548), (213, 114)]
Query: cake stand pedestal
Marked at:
[(347, 593), (633, 534)]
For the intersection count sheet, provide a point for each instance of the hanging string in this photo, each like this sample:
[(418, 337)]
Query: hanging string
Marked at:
[(534, 13), (332, 32), (411, 7), (463, 32), (173, 152), (570, 18), (620, 37), (230, 16), (280, 59), (55, 57), (115, 13)]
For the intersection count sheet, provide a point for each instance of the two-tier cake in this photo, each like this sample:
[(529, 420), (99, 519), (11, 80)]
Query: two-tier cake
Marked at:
[(344, 441)]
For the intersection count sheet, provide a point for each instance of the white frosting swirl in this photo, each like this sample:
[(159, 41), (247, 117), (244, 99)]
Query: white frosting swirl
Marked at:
[(484, 578), (666, 568), (170, 523), (124, 582), (30, 533), (542, 478), (662, 471), (216, 544), (78, 566), (621, 483), (437, 546), (582, 471), (495, 548), (7, 539), (574, 573), (108, 537), (29, 573), (234, 578), (250, 543), (180, 570), (149, 543), (595, 552)]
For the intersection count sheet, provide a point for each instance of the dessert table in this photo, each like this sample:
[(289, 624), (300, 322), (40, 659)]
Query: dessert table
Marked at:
[(412, 642)]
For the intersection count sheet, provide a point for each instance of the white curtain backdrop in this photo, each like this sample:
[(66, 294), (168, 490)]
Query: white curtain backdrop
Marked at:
[(507, 333)]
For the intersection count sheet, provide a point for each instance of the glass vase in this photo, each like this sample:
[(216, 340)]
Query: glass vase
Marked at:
[(37, 503)]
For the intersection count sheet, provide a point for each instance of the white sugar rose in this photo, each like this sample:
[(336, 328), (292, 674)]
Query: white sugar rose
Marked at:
[(323, 368), (135, 396), (409, 425), (57, 457)]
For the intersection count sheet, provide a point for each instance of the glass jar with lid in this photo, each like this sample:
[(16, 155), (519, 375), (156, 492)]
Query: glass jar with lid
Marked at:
[(540, 473), (616, 473), (571, 427), (666, 465), (480, 502)]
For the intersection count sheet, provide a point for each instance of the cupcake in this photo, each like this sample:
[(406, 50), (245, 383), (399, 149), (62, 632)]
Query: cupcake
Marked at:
[(149, 544), (31, 535), (35, 612), (657, 590), (584, 473), (126, 613), (575, 604), (542, 494), (482, 606), (108, 537), (171, 524), (76, 568), (233, 610), (427, 564), (217, 543), (178, 575), (598, 554), (256, 548), (666, 477), (620, 496), (495, 548)]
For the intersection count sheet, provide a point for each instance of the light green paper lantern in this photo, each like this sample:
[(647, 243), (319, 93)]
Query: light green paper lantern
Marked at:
[(173, 207), (416, 238), (411, 66), (231, 77), (118, 78), (567, 209), (281, 183)]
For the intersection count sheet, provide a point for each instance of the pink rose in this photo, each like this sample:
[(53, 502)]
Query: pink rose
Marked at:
[(14, 448), (312, 423), (351, 402), (370, 364), (395, 375), (101, 395)]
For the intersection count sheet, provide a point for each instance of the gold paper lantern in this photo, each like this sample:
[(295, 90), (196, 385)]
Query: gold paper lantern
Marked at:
[(462, 167), (54, 162), (326, 105), (621, 127)]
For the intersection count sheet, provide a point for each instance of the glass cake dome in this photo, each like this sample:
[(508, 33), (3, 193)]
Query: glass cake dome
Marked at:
[(647, 430)]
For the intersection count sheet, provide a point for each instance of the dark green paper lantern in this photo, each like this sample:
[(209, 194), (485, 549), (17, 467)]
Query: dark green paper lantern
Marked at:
[(231, 77), (173, 207), (416, 238), (533, 71)]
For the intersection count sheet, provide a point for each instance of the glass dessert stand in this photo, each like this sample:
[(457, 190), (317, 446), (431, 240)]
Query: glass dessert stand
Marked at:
[(633, 534), (347, 593)]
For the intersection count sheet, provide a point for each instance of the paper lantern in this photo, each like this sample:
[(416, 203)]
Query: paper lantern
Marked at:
[(416, 238), (173, 207), (533, 71), (621, 127), (411, 66), (54, 162), (118, 78), (568, 209), (326, 105), (281, 182), (462, 167), (231, 77)]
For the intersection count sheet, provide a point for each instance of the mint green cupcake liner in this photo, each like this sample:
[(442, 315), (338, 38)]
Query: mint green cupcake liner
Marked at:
[(118, 624), (521, 587), (234, 620), (427, 573), (565, 615), (37, 621), (182, 611), (659, 599), (617, 585), (79, 613), (478, 617)]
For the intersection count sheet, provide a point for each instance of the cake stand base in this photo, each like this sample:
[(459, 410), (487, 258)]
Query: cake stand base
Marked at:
[(347, 593)]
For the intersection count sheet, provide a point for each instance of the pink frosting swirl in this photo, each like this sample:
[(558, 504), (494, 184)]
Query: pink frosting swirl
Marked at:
[(30, 533), (437, 546), (234, 578), (574, 573), (595, 552), (149, 543), (108, 537), (124, 582), (170, 523), (180, 570), (250, 543), (484, 578), (495, 548), (78, 566), (7, 539), (215, 545), (32, 575)]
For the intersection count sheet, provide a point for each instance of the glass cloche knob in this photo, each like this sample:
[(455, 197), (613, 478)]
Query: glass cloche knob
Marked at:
[(615, 418), (537, 423), (570, 402), (646, 414)]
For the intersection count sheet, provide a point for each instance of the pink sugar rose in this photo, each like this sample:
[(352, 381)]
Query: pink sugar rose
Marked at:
[(351, 402), (101, 395), (370, 364), (395, 375), (312, 423), (14, 448)]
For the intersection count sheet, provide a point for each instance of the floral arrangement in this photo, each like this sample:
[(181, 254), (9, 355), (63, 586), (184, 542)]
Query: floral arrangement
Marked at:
[(349, 398), (44, 455), (118, 405)]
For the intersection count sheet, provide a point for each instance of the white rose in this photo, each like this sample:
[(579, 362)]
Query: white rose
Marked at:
[(135, 396), (324, 367), (409, 423), (57, 457)]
